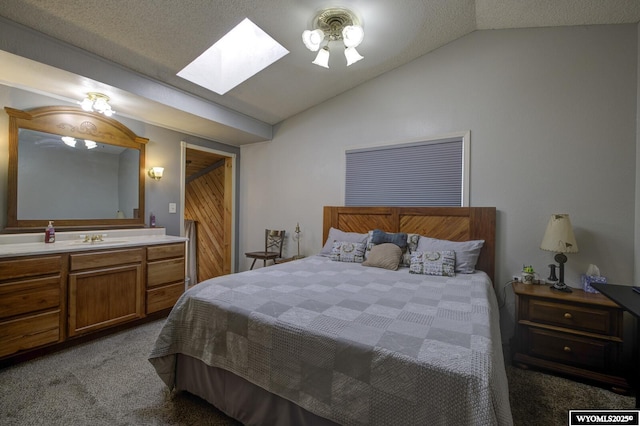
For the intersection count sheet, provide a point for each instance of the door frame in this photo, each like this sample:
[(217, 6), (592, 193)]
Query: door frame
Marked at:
[(183, 157)]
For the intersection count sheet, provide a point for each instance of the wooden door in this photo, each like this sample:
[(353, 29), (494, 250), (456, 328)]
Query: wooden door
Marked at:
[(208, 202)]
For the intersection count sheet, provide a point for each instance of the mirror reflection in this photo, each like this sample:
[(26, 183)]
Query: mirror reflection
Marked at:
[(62, 177), (79, 168)]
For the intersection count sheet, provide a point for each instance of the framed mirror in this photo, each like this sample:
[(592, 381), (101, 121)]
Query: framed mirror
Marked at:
[(80, 169)]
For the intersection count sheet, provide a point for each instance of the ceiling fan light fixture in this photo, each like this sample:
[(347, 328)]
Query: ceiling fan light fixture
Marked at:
[(322, 59), (332, 25)]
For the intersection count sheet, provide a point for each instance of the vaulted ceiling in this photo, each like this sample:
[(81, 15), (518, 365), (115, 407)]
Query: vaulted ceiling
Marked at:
[(157, 38)]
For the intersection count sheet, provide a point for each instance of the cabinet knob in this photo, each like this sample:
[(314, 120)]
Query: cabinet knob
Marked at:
[(567, 349), (567, 315)]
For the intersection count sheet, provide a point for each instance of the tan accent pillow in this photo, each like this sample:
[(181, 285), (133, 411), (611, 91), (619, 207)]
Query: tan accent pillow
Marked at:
[(385, 256)]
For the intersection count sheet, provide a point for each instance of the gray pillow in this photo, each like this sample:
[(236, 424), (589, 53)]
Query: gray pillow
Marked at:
[(386, 255), (467, 252), (338, 235)]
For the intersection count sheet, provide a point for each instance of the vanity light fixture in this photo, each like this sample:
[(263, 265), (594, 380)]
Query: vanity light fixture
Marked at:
[(156, 172), (97, 102), (333, 25)]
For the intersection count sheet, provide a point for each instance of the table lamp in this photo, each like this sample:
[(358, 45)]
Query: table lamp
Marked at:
[(559, 238), (296, 237)]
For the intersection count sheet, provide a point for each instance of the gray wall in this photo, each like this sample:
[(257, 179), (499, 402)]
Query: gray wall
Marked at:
[(552, 115)]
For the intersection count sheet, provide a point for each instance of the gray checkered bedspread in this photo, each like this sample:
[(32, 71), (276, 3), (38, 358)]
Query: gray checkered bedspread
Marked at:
[(357, 345)]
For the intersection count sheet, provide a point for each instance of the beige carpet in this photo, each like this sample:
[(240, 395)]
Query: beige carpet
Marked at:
[(110, 382)]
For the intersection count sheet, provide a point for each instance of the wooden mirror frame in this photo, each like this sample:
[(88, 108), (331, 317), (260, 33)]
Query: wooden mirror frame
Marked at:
[(75, 122)]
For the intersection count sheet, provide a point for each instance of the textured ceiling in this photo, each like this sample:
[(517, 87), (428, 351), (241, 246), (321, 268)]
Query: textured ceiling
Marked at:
[(157, 38)]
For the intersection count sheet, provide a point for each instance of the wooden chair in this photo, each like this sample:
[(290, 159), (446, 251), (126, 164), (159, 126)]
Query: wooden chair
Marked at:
[(273, 241)]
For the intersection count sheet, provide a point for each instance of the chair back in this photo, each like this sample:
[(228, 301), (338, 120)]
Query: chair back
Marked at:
[(273, 241)]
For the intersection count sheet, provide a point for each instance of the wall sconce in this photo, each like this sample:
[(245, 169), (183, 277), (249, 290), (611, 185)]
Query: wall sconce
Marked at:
[(333, 25), (156, 172)]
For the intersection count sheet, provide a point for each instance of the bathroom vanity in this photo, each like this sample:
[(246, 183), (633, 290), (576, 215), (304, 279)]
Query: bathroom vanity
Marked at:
[(57, 292)]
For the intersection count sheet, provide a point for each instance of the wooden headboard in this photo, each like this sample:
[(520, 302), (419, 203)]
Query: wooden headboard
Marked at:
[(445, 223)]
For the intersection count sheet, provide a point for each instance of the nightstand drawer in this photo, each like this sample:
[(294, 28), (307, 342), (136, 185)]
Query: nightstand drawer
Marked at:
[(571, 349), (576, 317)]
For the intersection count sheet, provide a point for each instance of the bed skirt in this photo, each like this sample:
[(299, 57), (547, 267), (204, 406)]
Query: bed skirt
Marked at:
[(238, 398)]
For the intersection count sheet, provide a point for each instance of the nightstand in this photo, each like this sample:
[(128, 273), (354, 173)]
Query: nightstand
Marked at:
[(577, 334)]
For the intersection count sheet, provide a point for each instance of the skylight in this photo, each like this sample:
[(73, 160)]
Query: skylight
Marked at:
[(237, 56)]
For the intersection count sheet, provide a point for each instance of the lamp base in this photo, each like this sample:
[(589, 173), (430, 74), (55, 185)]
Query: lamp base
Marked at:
[(560, 286)]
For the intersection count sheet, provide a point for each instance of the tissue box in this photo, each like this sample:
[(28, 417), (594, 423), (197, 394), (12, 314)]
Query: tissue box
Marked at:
[(588, 279)]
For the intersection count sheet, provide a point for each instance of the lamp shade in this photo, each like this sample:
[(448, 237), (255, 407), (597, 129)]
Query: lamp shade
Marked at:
[(156, 172), (322, 58), (352, 35), (352, 55), (313, 39), (559, 236)]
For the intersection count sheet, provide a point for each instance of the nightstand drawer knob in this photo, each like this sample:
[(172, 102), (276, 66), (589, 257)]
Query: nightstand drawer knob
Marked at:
[(567, 315), (567, 349)]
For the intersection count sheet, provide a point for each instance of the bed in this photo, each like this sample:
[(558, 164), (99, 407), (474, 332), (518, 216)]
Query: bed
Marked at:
[(321, 342)]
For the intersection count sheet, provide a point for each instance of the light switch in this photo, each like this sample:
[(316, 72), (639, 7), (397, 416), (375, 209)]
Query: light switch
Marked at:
[(172, 207)]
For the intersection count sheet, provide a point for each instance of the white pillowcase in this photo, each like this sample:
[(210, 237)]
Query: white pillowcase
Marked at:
[(433, 263), (467, 252), (338, 235), (343, 251)]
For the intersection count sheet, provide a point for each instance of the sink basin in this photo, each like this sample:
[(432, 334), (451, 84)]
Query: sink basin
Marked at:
[(97, 243)]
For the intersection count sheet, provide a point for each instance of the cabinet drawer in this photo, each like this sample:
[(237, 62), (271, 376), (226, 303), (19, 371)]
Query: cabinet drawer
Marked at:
[(587, 318), (29, 332), (105, 258), (22, 268), (163, 297), (165, 251), (165, 271), (22, 297), (571, 349)]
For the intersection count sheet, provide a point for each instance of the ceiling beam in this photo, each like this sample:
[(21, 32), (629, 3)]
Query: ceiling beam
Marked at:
[(27, 43)]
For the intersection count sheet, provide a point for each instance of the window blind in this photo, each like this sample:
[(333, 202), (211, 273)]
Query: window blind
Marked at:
[(416, 174)]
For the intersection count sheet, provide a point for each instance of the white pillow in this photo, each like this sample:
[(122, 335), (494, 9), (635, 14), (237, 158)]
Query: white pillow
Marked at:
[(338, 235), (433, 263), (344, 251), (467, 252)]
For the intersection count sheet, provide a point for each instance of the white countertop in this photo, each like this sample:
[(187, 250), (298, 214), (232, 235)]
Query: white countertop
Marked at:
[(33, 243)]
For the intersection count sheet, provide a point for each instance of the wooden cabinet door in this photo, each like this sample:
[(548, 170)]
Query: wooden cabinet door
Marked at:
[(105, 297)]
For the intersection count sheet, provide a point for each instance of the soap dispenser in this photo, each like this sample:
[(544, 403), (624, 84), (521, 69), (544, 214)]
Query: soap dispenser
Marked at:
[(50, 233)]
